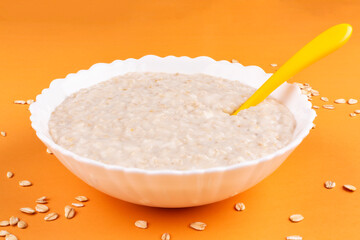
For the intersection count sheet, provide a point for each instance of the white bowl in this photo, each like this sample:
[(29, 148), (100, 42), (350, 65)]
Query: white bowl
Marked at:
[(170, 188)]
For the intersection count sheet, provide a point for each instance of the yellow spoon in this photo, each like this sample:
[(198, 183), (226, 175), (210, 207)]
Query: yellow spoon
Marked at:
[(319, 47)]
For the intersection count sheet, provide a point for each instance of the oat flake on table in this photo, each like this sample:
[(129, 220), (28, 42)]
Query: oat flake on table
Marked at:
[(141, 224), (22, 224), (329, 184), (199, 226)]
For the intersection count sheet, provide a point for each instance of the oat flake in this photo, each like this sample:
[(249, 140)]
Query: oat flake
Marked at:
[(141, 224), (349, 187), (329, 184), (77, 204), (22, 224), (330, 107), (13, 220), (25, 183), (296, 218), (294, 237), (352, 101), (165, 236), (51, 216), (3, 133), (340, 100), (4, 223), (239, 206), (325, 99), (27, 210), (69, 212), (19, 102), (9, 174), (41, 208), (200, 226), (3, 233), (82, 198), (42, 200), (10, 237), (314, 93)]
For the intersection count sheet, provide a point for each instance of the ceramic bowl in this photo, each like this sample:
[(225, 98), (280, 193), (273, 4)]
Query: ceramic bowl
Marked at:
[(170, 188)]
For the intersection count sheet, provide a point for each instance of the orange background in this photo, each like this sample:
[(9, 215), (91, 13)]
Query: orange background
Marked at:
[(43, 40)]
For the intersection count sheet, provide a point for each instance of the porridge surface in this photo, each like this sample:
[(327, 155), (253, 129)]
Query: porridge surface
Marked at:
[(169, 121)]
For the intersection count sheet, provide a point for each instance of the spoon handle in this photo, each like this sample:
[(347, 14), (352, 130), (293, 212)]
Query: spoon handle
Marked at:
[(319, 47)]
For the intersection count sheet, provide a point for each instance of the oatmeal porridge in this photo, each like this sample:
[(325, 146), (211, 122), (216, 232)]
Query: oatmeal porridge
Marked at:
[(169, 121)]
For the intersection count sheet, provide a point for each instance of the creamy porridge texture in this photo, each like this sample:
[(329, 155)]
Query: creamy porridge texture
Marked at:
[(169, 121)]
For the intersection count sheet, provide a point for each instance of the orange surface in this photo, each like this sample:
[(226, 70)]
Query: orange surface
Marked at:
[(42, 40)]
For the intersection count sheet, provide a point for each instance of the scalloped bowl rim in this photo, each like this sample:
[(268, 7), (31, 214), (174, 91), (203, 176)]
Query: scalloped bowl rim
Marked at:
[(292, 145)]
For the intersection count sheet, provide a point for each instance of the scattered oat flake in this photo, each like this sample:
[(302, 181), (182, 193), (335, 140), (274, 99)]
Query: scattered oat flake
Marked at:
[(19, 102), (3, 133), (13, 220), (4, 223), (200, 226), (314, 92), (42, 199), (316, 107), (325, 99), (294, 237), (349, 187), (77, 204), (352, 101), (352, 114), (273, 64), (141, 224), (357, 111), (234, 61), (330, 107), (340, 100), (329, 184), (69, 212), (41, 208), (3, 233), (51, 216), (82, 198), (296, 218), (25, 183), (165, 236), (27, 210), (9, 174), (239, 206), (307, 90), (49, 151), (22, 224), (10, 237)]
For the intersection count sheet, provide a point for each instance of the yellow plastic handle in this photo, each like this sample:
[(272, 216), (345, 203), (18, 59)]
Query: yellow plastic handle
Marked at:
[(319, 47)]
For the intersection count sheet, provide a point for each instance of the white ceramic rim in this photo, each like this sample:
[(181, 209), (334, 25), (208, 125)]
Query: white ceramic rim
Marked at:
[(50, 143)]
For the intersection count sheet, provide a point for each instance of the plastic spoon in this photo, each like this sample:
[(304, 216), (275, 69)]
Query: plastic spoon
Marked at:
[(319, 47)]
